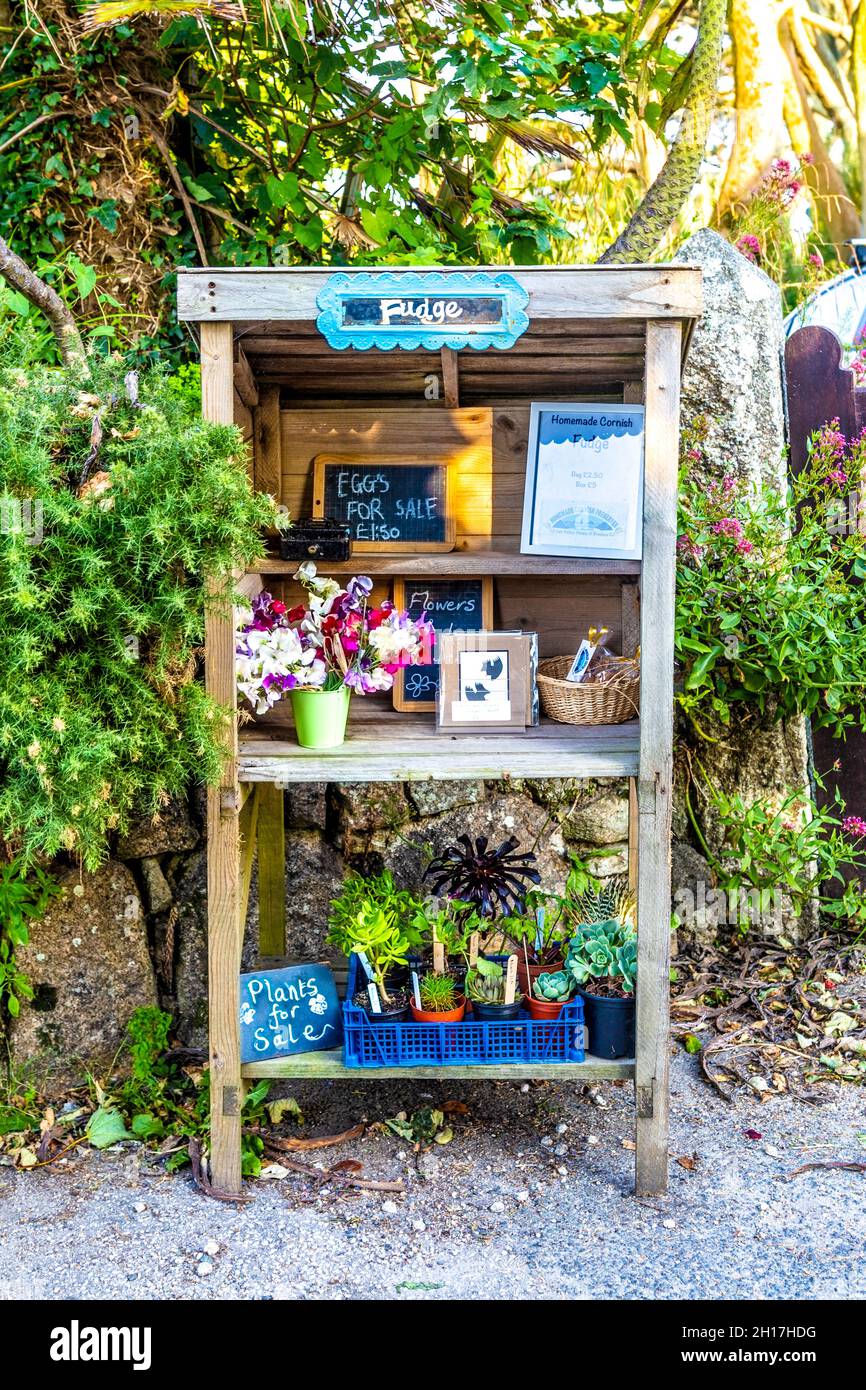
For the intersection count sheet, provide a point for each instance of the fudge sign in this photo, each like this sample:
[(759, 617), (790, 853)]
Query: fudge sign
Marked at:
[(422, 309), (288, 1011)]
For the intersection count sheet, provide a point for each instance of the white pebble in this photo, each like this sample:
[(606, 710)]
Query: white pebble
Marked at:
[(561, 1129), (771, 1150), (419, 1225), (497, 1206), (592, 1139), (562, 1170), (669, 1225), (140, 1206), (205, 1267), (561, 1150), (212, 1248), (524, 1088), (522, 1196), (390, 1208), (547, 1142)]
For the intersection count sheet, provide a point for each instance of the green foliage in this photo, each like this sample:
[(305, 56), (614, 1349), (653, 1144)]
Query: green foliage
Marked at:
[(555, 988), (768, 618), (485, 982), (539, 933), (423, 1127), (453, 923), (438, 994), (374, 931), (23, 899), (793, 847), (104, 596), (161, 1099), (376, 890), (604, 950)]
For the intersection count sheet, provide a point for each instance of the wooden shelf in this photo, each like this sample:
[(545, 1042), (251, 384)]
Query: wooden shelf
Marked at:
[(386, 746), (457, 563), (316, 1066)]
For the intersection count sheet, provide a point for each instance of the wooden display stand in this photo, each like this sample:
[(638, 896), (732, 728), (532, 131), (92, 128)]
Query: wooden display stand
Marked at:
[(616, 334)]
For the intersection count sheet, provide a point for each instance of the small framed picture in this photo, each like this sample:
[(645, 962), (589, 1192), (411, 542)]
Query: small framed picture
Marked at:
[(486, 680), (584, 481)]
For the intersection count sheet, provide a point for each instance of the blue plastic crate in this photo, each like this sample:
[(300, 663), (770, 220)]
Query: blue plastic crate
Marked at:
[(470, 1043)]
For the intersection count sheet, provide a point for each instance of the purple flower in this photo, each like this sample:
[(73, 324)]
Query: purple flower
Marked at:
[(729, 526), (854, 825)]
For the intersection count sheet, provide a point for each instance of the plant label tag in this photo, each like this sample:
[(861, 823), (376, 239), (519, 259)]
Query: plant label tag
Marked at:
[(416, 990), (510, 980), (474, 944), (539, 928), (373, 995), (438, 958), (367, 968)]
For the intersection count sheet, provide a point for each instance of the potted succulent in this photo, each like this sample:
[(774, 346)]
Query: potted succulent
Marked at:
[(441, 1000), (374, 934), (538, 935), (376, 890), (492, 880), (602, 962), (549, 992), (321, 651), (486, 986)]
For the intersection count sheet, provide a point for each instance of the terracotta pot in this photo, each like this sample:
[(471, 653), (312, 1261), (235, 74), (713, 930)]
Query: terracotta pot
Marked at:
[(544, 1008), (534, 972), (452, 1016)]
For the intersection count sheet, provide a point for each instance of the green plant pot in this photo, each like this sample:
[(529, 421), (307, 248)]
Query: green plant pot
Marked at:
[(320, 716)]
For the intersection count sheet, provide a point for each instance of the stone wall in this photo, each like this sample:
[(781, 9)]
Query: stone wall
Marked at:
[(136, 931)]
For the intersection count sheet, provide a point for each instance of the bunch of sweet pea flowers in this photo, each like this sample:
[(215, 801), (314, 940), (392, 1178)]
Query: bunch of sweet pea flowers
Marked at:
[(334, 639)]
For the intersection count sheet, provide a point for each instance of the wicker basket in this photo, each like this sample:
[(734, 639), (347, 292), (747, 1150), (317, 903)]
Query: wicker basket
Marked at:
[(591, 702)]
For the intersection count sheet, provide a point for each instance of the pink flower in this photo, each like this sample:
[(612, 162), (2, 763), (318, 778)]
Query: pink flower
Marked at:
[(854, 825), (817, 260), (729, 482), (694, 454), (750, 247), (729, 526), (745, 547), (807, 158), (838, 475)]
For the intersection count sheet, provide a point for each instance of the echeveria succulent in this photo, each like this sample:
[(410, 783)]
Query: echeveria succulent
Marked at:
[(554, 987), (602, 949)]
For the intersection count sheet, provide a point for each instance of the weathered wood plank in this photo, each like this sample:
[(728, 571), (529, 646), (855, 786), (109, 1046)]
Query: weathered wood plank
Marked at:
[(380, 755), (272, 871), (245, 382), (664, 343), (223, 862), (319, 1065), (450, 378), (267, 439), (462, 562), (247, 830), (609, 292)]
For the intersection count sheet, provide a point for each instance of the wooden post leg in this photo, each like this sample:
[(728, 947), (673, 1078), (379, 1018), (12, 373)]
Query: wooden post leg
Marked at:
[(663, 349), (633, 824), (271, 839), (225, 928)]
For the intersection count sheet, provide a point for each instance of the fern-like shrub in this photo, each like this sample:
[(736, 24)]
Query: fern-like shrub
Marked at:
[(119, 505)]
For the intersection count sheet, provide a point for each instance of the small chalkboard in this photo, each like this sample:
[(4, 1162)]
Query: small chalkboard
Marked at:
[(397, 504), (288, 1011), (451, 605)]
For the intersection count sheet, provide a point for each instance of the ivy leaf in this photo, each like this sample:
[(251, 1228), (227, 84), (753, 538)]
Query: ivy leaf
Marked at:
[(106, 1127)]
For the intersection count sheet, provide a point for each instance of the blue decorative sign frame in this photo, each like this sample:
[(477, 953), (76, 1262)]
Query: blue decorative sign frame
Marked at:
[(422, 309)]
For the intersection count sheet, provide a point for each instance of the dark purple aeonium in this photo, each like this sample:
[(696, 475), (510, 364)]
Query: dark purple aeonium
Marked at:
[(495, 880)]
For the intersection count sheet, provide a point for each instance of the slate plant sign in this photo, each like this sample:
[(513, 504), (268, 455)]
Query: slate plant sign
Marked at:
[(287, 1011), (463, 605), (396, 504)]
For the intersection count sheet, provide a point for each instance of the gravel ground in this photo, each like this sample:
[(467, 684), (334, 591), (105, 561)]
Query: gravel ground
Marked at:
[(531, 1200)]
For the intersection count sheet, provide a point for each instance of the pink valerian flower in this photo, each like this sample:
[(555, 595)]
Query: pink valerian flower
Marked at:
[(690, 549), (729, 482), (745, 547), (854, 825), (729, 526), (749, 246), (694, 454), (816, 260), (837, 475)]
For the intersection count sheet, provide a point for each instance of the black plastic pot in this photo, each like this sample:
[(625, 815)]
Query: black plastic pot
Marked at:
[(609, 1025), (495, 1013), (396, 1016)]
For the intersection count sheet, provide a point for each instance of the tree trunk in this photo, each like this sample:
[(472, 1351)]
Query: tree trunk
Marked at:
[(21, 278), (664, 200), (760, 72)]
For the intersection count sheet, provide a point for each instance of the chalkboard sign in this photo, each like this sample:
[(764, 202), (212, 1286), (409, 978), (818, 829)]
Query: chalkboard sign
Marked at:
[(389, 504), (288, 1011), (451, 605)]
